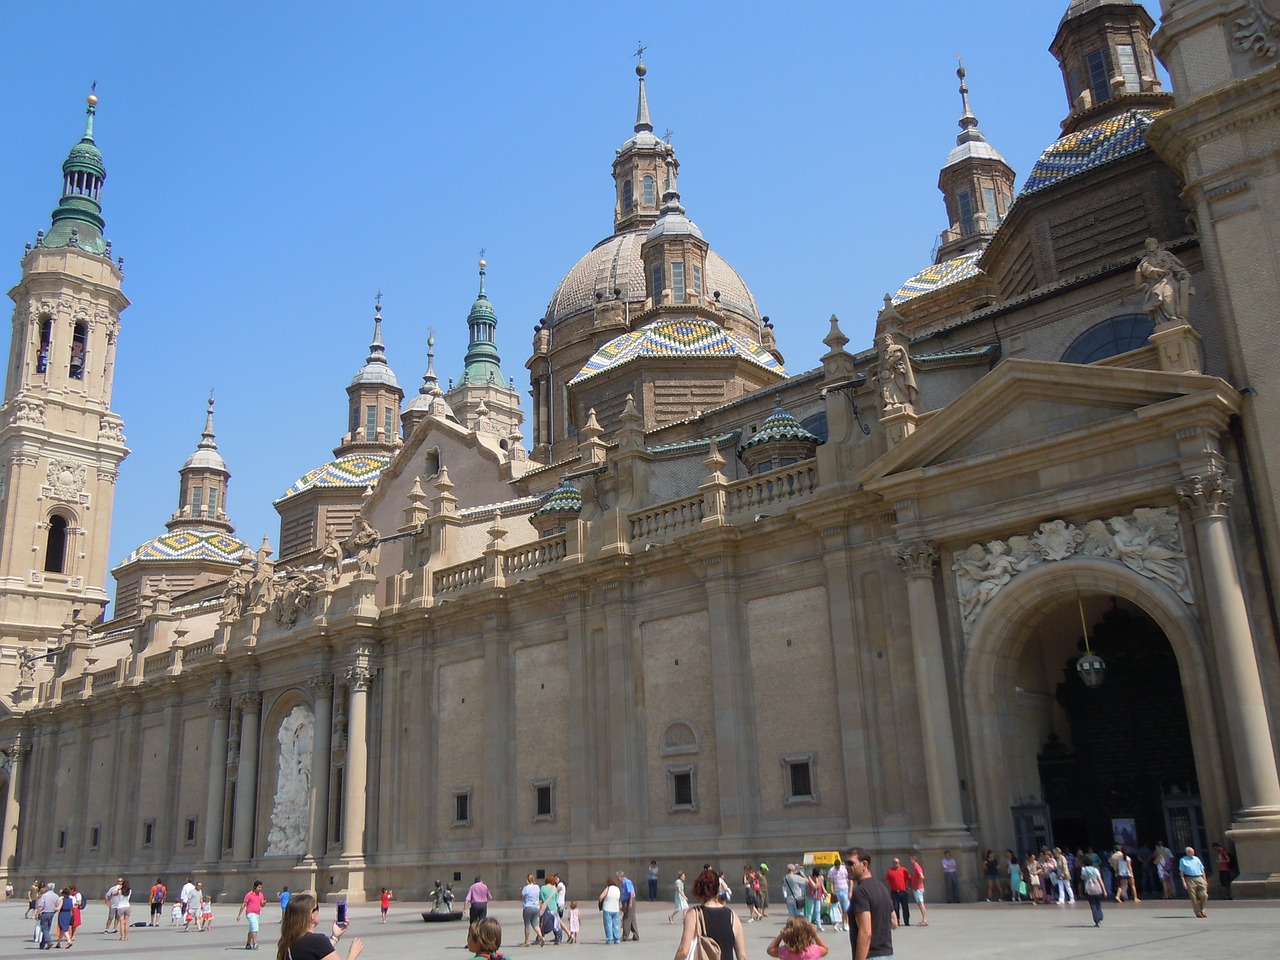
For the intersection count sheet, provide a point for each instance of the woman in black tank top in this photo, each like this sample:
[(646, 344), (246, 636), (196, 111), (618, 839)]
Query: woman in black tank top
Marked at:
[(720, 923)]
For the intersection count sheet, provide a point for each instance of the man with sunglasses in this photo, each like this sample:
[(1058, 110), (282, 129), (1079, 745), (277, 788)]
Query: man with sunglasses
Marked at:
[(871, 932)]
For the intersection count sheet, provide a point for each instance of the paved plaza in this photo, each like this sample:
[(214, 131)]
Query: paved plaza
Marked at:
[(1239, 930)]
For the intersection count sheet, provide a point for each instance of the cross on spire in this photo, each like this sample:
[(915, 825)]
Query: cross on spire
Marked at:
[(640, 49)]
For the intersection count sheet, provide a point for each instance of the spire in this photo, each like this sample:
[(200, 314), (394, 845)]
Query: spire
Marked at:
[(207, 441), (968, 122), (671, 196), (77, 220), (376, 368), (643, 123), (202, 484), (430, 382), (672, 221), (376, 352), (206, 456), (482, 360)]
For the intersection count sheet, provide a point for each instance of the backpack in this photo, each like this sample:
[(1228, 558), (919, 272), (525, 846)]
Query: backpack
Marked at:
[(703, 947)]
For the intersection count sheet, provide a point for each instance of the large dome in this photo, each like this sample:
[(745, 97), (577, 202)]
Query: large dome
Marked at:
[(615, 263)]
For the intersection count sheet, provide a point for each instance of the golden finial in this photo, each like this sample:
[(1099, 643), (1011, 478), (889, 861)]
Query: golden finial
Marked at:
[(93, 98)]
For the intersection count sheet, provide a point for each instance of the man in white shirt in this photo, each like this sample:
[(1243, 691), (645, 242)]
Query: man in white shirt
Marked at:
[(109, 899), (188, 908)]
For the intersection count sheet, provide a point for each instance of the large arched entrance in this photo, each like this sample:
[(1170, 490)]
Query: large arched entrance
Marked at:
[(1055, 760)]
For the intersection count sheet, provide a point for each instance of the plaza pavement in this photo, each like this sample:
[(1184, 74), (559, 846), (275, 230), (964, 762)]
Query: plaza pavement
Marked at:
[(1154, 929)]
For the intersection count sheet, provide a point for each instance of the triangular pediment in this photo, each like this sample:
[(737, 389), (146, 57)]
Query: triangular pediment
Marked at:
[(1024, 404)]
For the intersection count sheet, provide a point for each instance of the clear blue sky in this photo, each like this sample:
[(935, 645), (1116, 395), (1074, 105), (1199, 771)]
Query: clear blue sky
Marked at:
[(270, 166)]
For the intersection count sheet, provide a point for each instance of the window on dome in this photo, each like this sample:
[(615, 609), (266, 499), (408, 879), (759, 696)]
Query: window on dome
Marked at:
[(79, 339), (1110, 338), (648, 194), (388, 422), (989, 207), (371, 423), (697, 281), (1099, 82), (55, 548), (628, 196), (197, 501), (965, 202), (1128, 67), (656, 286), (355, 420), (46, 341), (677, 282), (213, 502)]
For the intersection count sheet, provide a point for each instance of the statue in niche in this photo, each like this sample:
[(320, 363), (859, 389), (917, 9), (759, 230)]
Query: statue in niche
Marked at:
[(290, 813), (331, 556), (364, 542), (898, 390), (1165, 284)]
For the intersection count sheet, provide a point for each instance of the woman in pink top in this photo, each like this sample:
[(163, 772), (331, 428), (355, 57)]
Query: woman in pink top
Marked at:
[(798, 940)]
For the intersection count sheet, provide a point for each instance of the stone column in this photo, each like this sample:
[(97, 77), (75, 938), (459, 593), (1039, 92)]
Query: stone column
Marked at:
[(12, 813), (357, 762), (1207, 497), (250, 703), (321, 764), (917, 559), (215, 801)]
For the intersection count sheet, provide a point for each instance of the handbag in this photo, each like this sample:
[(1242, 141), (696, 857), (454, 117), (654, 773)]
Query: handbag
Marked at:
[(703, 947), (1093, 885), (1022, 888)]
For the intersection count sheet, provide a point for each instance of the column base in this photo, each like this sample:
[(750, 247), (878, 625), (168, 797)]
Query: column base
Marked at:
[(930, 847), (348, 881), (1257, 843)]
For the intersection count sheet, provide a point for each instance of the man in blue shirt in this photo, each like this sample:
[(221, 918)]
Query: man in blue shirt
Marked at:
[(629, 931), (1192, 871)]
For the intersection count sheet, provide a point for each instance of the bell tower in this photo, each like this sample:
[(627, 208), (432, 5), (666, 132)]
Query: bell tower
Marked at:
[(60, 443)]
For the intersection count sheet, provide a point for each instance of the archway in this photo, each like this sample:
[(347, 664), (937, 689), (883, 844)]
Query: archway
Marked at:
[(1038, 741)]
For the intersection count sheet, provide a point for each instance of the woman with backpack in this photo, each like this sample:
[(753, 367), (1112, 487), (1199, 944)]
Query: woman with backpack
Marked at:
[(711, 920)]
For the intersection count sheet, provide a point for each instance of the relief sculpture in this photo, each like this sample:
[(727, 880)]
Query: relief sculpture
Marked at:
[(290, 813)]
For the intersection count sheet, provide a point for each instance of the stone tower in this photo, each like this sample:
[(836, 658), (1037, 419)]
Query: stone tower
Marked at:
[(60, 443), (483, 393)]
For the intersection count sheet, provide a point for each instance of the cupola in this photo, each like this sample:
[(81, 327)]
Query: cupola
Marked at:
[(77, 220), (780, 441), (638, 168), (373, 400)]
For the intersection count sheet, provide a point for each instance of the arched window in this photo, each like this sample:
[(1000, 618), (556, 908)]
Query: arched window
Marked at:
[(1110, 338), (55, 550), (628, 196), (679, 737), (79, 341), (648, 191), (46, 341)]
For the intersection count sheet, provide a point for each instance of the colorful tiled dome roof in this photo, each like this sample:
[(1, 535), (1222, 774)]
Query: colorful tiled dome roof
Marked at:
[(779, 425), (206, 545), (1091, 147), (563, 499), (353, 470), (677, 337), (939, 275)]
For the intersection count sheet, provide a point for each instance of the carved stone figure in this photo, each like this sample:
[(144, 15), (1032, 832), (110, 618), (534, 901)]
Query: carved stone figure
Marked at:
[(898, 389), (364, 541), (294, 597), (290, 813), (331, 556), (1144, 547), (235, 596), (1166, 285)]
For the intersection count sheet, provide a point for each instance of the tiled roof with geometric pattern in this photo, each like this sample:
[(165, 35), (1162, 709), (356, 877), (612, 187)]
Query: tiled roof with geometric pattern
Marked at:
[(210, 545), (779, 425), (939, 275), (1091, 147), (353, 470), (563, 499), (677, 337)]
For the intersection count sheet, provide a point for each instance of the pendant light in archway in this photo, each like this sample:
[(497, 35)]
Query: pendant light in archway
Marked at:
[(1091, 667)]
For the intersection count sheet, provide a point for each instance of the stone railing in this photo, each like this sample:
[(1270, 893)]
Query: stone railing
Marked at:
[(102, 679), (665, 519), (156, 665), (781, 487), (530, 556), (72, 689), (460, 576), (195, 651)]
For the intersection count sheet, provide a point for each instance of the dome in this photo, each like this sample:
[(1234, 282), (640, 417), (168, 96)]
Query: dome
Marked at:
[(85, 155), (197, 544), (677, 337), (1091, 147), (563, 499), (204, 459), (353, 470), (779, 425), (675, 225), (615, 263), (939, 275)]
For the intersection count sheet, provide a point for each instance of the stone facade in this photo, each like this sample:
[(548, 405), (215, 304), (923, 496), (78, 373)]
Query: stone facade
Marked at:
[(628, 645)]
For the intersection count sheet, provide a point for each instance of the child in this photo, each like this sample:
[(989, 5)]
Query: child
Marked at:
[(836, 915), (575, 921), (176, 915), (206, 914), (799, 940), (386, 903)]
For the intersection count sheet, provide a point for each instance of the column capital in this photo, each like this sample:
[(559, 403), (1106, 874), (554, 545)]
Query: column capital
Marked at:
[(917, 558), (249, 700), (321, 686), (358, 676), (219, 703), (1208, 494)]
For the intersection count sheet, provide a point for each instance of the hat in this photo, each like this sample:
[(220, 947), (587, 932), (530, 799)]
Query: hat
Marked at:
[(764, 867)]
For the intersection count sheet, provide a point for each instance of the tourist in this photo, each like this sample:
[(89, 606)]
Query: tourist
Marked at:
[(793, 890), (815, 897), (712, 919), (916, 878), (251, 910), (1223, 858), (682, 901), (206, 915), (1094, 890), (1031, 867), (384, 903), (629, 928), (871, 934), (477, 900), (991, 869), (156, 899), (897, 879), (47, 905), (751, 893), (653, 880), (1192, 870), (950, 877), (122, 908), (762, 875), (575, 921), (529, 895), (33, 895), (283, 897), (561, 895), (109, 899), (548, 917), (298, 939), (1164, 861), (484, 937), (1017, 889), (610, 901), (1066, 893), (77, 911), (66, 904), (1122, 866), (798, 940), (838, 878)]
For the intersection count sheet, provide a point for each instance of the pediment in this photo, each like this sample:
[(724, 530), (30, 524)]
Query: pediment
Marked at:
[(1023, 404)]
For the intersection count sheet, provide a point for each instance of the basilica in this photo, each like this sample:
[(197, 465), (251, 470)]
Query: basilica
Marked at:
[(1022, 550)]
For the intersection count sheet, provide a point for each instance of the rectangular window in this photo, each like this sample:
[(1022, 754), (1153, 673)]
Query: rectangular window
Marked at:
[(648, 191), (95, 836), (355, 420), (966, 212), (542, 800), (682, 788), (371, 423), (213, 503), (462, 807), (697, 281), (149, 833), (1128, 67), (798, 779), (656, 288), (197, 500), (989, 207), (677, 282), (337, 790), (388, 422), (189, 837), (1099, 82), (62, 838)]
